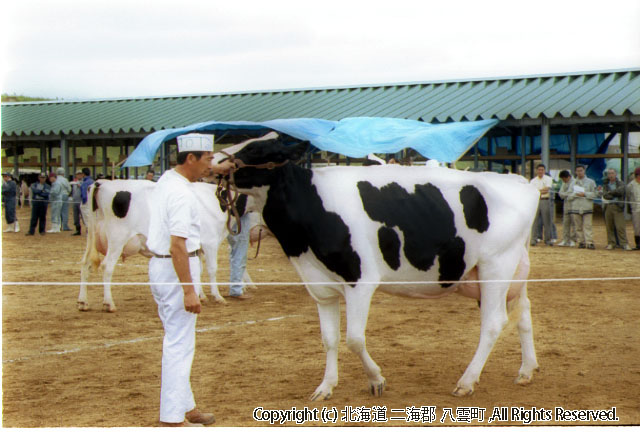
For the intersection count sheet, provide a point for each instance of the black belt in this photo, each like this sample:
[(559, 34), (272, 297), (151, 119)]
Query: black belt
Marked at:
[(191, 254), (544, 198)]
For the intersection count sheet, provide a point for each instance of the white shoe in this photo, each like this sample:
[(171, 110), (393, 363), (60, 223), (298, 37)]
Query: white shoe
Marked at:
[(572, 244), (609, 247), (627, 247), (8, 229), (16, 227), (562, 244)]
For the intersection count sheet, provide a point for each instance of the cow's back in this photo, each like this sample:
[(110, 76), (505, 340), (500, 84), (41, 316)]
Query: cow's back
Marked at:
[(126, 203), (427, 223)]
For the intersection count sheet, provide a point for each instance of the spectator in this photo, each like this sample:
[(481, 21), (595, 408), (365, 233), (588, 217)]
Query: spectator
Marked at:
[(633, 194), (239, 246), (66, 192), (150, 175), (85, 207), (55, 196), (76, 199), (584, 191), (613, 194), (9, 197), (568, 228), (39, 200), (543, 183)]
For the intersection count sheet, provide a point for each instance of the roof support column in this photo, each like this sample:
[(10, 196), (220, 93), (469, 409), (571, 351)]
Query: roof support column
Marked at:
[(64, 155), (43, 157), (93, 166), (573, 148), (475, 156), (163, 158), (16, 164), (624, 144), (545, 133), (523, 151), (104, 158), (74, 164)]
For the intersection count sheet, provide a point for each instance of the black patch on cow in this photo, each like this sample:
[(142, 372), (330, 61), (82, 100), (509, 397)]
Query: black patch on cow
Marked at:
[(94, 197), (389, 246), (426, 221), (475, 209), (120, 203), (294, 212)]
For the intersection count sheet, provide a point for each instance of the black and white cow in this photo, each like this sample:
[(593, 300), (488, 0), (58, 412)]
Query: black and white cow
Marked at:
[(119, 225), (346, 229)]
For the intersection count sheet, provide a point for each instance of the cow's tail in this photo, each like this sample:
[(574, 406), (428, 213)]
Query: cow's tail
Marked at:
[(91, 254)]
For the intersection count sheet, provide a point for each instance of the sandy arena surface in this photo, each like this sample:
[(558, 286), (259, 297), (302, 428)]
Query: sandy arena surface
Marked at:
[(65, 368)]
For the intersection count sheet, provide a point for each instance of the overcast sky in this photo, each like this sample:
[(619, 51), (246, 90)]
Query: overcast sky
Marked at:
[(111, 48)]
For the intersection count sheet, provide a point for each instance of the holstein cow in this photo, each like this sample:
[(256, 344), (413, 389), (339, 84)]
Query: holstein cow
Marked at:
[(119, 225), (346, 229)]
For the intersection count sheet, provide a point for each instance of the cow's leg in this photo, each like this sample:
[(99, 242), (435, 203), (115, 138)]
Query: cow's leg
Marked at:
[(109, 262), (329, 313), (83, 299), (358, 300), (493, 315), (211, 261), (525, 327)]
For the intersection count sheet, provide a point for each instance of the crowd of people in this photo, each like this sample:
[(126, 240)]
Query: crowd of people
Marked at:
[(578, 195)]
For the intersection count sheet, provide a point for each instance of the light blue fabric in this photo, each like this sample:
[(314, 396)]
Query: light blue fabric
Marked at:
[(352, 137)]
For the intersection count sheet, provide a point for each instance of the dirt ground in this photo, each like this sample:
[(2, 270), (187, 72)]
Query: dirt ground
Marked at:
[(65, 368)]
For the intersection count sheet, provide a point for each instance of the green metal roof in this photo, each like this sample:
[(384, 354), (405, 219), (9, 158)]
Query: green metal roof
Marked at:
[(600, 93)]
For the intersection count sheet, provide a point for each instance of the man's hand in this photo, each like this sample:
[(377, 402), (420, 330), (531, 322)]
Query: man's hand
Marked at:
[(191, 300), (224, 168), (180, 259)]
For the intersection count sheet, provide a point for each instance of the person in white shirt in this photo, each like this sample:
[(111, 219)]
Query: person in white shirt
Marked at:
[(543, 183), (174, 238)]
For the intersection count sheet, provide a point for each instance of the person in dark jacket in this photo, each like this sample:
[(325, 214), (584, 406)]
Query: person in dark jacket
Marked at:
[(39, 201), (9, 197)]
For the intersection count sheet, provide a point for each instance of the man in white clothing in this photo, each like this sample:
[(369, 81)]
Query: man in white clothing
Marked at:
[(174, 238)]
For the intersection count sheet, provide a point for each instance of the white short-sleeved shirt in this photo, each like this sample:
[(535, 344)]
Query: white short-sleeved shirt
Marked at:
[(174, 211), (538, 183)]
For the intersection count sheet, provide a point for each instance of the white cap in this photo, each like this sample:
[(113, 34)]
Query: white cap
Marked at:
[(195, 142)]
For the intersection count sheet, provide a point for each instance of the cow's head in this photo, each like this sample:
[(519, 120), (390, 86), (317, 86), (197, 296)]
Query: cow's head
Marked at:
[(261, 159)]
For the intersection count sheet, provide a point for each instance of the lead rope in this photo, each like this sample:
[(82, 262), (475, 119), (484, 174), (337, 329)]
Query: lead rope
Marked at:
[(229, 184)]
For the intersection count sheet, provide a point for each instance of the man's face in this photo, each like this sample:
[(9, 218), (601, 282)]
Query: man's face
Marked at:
[(42, 179), (203, 165), (566, 179), (611, 175), (580, 172), (79, 176), (6, 178), (540, 172)]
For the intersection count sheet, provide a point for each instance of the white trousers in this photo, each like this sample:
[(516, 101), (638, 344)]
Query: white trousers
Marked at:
[(178, 347)]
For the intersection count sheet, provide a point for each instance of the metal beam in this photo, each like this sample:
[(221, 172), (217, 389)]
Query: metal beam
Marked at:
[(523, 151), (64, 155), (545, 133), (573, 147)]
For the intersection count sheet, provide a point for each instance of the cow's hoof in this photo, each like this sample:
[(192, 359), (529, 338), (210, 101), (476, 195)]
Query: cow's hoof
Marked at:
[(321, 393), (523, 379), (377, 388), (108, 307), (83, 306), (462, 391)]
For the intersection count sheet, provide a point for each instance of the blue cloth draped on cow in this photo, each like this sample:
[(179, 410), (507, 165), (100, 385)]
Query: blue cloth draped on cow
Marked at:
[(352, 137)]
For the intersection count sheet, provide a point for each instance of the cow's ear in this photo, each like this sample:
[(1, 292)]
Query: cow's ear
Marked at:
[(297, 151)]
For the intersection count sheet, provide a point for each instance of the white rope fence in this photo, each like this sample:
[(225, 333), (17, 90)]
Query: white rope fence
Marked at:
[(427, 282)]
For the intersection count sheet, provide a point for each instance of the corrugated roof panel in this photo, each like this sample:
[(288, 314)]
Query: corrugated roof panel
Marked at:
[(566, 95)]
